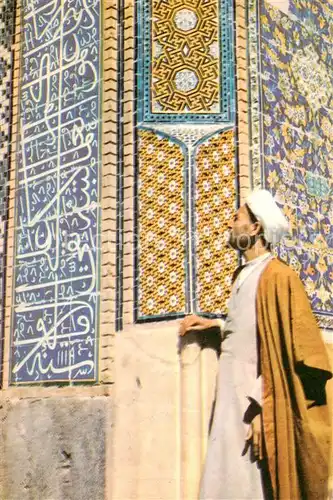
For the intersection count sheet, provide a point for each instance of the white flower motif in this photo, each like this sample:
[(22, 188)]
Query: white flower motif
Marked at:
[(150, 148), (161, 222), (150, 236), (227, 213), (173, 253), (172, 186), (216, 200), (208, 276), (206, 230), (150, 213), (150, 192), (173, 208), (161, 199), (172, 163), (208, 301), (206, 163), (150, 281), (312, 77), (207, 254), (173, 301), (226, 170), (216, 178), (206, 185), (160, 178), (150, 170), (150, 258), (225, 235), (218, 245), (173, 277), (225, 148), (226, 192), (161, 245), (186, 80), (228, 258), (173, 231), (150, 304), (161, 267), (227, 280), (185, 19), (161, 156), (217, 222), (218, 290), (216, 156), (161, 290), (206, 208), (217, 267)]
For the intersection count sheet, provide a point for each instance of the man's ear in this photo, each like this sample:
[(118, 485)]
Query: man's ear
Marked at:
[(257, 228)]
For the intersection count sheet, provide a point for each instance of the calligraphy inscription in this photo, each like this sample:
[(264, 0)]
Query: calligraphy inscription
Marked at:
[(57, 200)]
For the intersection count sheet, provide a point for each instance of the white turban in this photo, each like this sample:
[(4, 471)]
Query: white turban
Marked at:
[(264, 207)]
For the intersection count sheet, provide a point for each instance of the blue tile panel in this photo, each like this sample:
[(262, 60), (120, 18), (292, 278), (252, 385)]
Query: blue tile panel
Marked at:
[(297, 138), (56, 295)]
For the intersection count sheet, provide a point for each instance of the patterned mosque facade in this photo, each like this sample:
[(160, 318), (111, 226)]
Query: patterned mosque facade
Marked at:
[(130, 134)]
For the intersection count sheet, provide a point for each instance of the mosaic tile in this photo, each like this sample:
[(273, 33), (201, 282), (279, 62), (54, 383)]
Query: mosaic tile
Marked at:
[(161, 225), (215, 194), (317, 18), (56, 283), (185, 70), (255, 173), (186, 95), (296, 127)]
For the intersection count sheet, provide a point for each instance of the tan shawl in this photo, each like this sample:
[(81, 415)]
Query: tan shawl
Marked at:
[(295, 368)]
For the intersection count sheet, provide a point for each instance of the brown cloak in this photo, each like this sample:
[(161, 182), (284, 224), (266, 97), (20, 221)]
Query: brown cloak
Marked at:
[(295, 369)]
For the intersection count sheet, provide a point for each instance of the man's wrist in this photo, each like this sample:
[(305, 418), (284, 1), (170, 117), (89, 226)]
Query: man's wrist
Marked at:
[(218, 323)]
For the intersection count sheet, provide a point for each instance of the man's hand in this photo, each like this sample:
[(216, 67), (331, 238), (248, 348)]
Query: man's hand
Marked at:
[(254, 439), (193, 322)]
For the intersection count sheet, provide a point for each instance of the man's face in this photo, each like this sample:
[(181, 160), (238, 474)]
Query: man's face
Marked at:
[(242, 230)]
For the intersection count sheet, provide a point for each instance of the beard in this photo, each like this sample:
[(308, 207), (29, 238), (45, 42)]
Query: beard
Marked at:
[(242, 242)]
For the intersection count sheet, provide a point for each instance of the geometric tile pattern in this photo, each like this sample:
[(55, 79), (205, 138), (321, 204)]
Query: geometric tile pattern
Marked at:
[(161, 219), (185, 71), (215, 205), (297, 138), (56, 284), (185, 61), (185, 117)]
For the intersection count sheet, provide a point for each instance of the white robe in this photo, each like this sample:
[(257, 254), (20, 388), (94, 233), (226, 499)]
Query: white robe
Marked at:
[(227, 474)]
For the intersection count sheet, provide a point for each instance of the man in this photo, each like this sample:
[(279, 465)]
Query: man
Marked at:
[(272, 375)]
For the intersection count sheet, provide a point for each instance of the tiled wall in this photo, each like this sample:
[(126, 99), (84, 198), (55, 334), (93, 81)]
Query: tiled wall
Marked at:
[(186, 166), (291, 105), (55, 322)]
